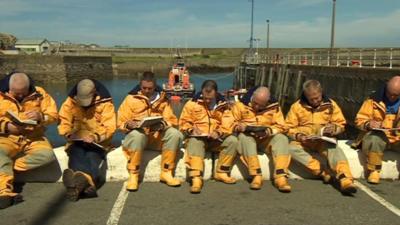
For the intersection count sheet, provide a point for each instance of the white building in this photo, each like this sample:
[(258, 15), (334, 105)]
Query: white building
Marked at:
[(33, 46)]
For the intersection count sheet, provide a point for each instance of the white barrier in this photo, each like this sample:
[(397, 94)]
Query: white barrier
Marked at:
[(115, 167)]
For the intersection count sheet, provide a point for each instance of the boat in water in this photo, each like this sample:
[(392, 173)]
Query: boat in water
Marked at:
[(179, 85)]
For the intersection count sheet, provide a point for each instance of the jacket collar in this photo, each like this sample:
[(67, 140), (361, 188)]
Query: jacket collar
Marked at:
[(325, 101), (220, 100), (136, 90)]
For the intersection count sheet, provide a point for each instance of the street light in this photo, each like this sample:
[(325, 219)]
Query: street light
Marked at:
[(252, 21), (267, 37), (333, 24)]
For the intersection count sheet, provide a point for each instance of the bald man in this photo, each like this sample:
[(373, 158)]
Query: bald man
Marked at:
[(260, 124), (22, 146), (377, 117)]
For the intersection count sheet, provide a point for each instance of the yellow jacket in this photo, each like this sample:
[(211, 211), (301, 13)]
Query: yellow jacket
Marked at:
[(38, 100), (304, 119), (136, 106), (271, 116), (374, 108), (196, 114), (99, 119)]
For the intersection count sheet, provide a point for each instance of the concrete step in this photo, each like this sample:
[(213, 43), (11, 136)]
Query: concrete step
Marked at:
[(114, 169)]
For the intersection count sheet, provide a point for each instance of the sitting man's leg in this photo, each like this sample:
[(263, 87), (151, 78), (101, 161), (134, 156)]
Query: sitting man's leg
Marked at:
[(226, 158), (279, 146), (133, 146), (7, 195), (83, 171), (339, 163), (36, 154), (195, 162), (248, 149), (171, 141), (298, 153), (373, 145)]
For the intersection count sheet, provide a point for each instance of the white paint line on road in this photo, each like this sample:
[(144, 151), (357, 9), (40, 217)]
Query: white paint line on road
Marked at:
[(378, 198), (118, 206)]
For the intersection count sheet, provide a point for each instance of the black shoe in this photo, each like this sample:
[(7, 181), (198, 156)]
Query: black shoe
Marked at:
[(81, 183), (91, 192), (69, 183), (7, 201), (68, 178)]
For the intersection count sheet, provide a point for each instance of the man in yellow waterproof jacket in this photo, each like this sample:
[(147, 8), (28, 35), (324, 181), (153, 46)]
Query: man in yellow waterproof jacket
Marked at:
[(22, 146), (147, 100), (206, 121), (315, 114), (88, 122), (257, 109), (377, 117)]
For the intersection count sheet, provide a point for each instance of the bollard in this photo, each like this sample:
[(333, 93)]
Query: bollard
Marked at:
[(337, 59), (328, 61), (348, 57), (312, 58), (391, 59)]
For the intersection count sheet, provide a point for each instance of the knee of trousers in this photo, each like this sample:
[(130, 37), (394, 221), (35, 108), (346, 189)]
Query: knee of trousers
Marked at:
[(279, 145), (247, 145), (135, 140), (6, 163), (35, 159), (374, 142), (299, 154), (195, 147), (172, 139), (336, 155), (230, 145)]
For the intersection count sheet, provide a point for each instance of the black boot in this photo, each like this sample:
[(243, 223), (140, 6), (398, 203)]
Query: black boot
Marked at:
[(7, 201)]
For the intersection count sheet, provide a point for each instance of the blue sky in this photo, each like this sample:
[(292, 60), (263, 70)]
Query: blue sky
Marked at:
[(204, 23)]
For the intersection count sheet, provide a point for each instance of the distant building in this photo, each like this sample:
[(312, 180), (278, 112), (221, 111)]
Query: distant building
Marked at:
[(33, 46)]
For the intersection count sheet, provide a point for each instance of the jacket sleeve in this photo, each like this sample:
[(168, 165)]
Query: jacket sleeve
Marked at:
[(169, 116), (279, 125), (338, 119), (124, 114), (108, 124), (292, 123), (186, 119), (237, 114), (65, 126), (227, 123), (48, 109), (4, 121), (364, 115)]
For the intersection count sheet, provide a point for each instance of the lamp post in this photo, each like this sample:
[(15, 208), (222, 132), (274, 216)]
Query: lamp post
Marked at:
[(333, 25), (252, 21), (267, 53)]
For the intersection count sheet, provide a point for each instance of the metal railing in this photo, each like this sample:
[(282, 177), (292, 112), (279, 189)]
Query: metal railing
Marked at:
[(361, 57)]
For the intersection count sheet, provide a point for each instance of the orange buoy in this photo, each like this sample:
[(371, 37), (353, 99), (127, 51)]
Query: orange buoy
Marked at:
[(175, 98)]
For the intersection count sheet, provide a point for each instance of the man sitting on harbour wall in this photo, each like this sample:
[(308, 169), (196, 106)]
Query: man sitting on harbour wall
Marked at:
[(25, 111), (148, 100), (309, 119), (379, 122), (261, 124), (206, 121), (88, 122)]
